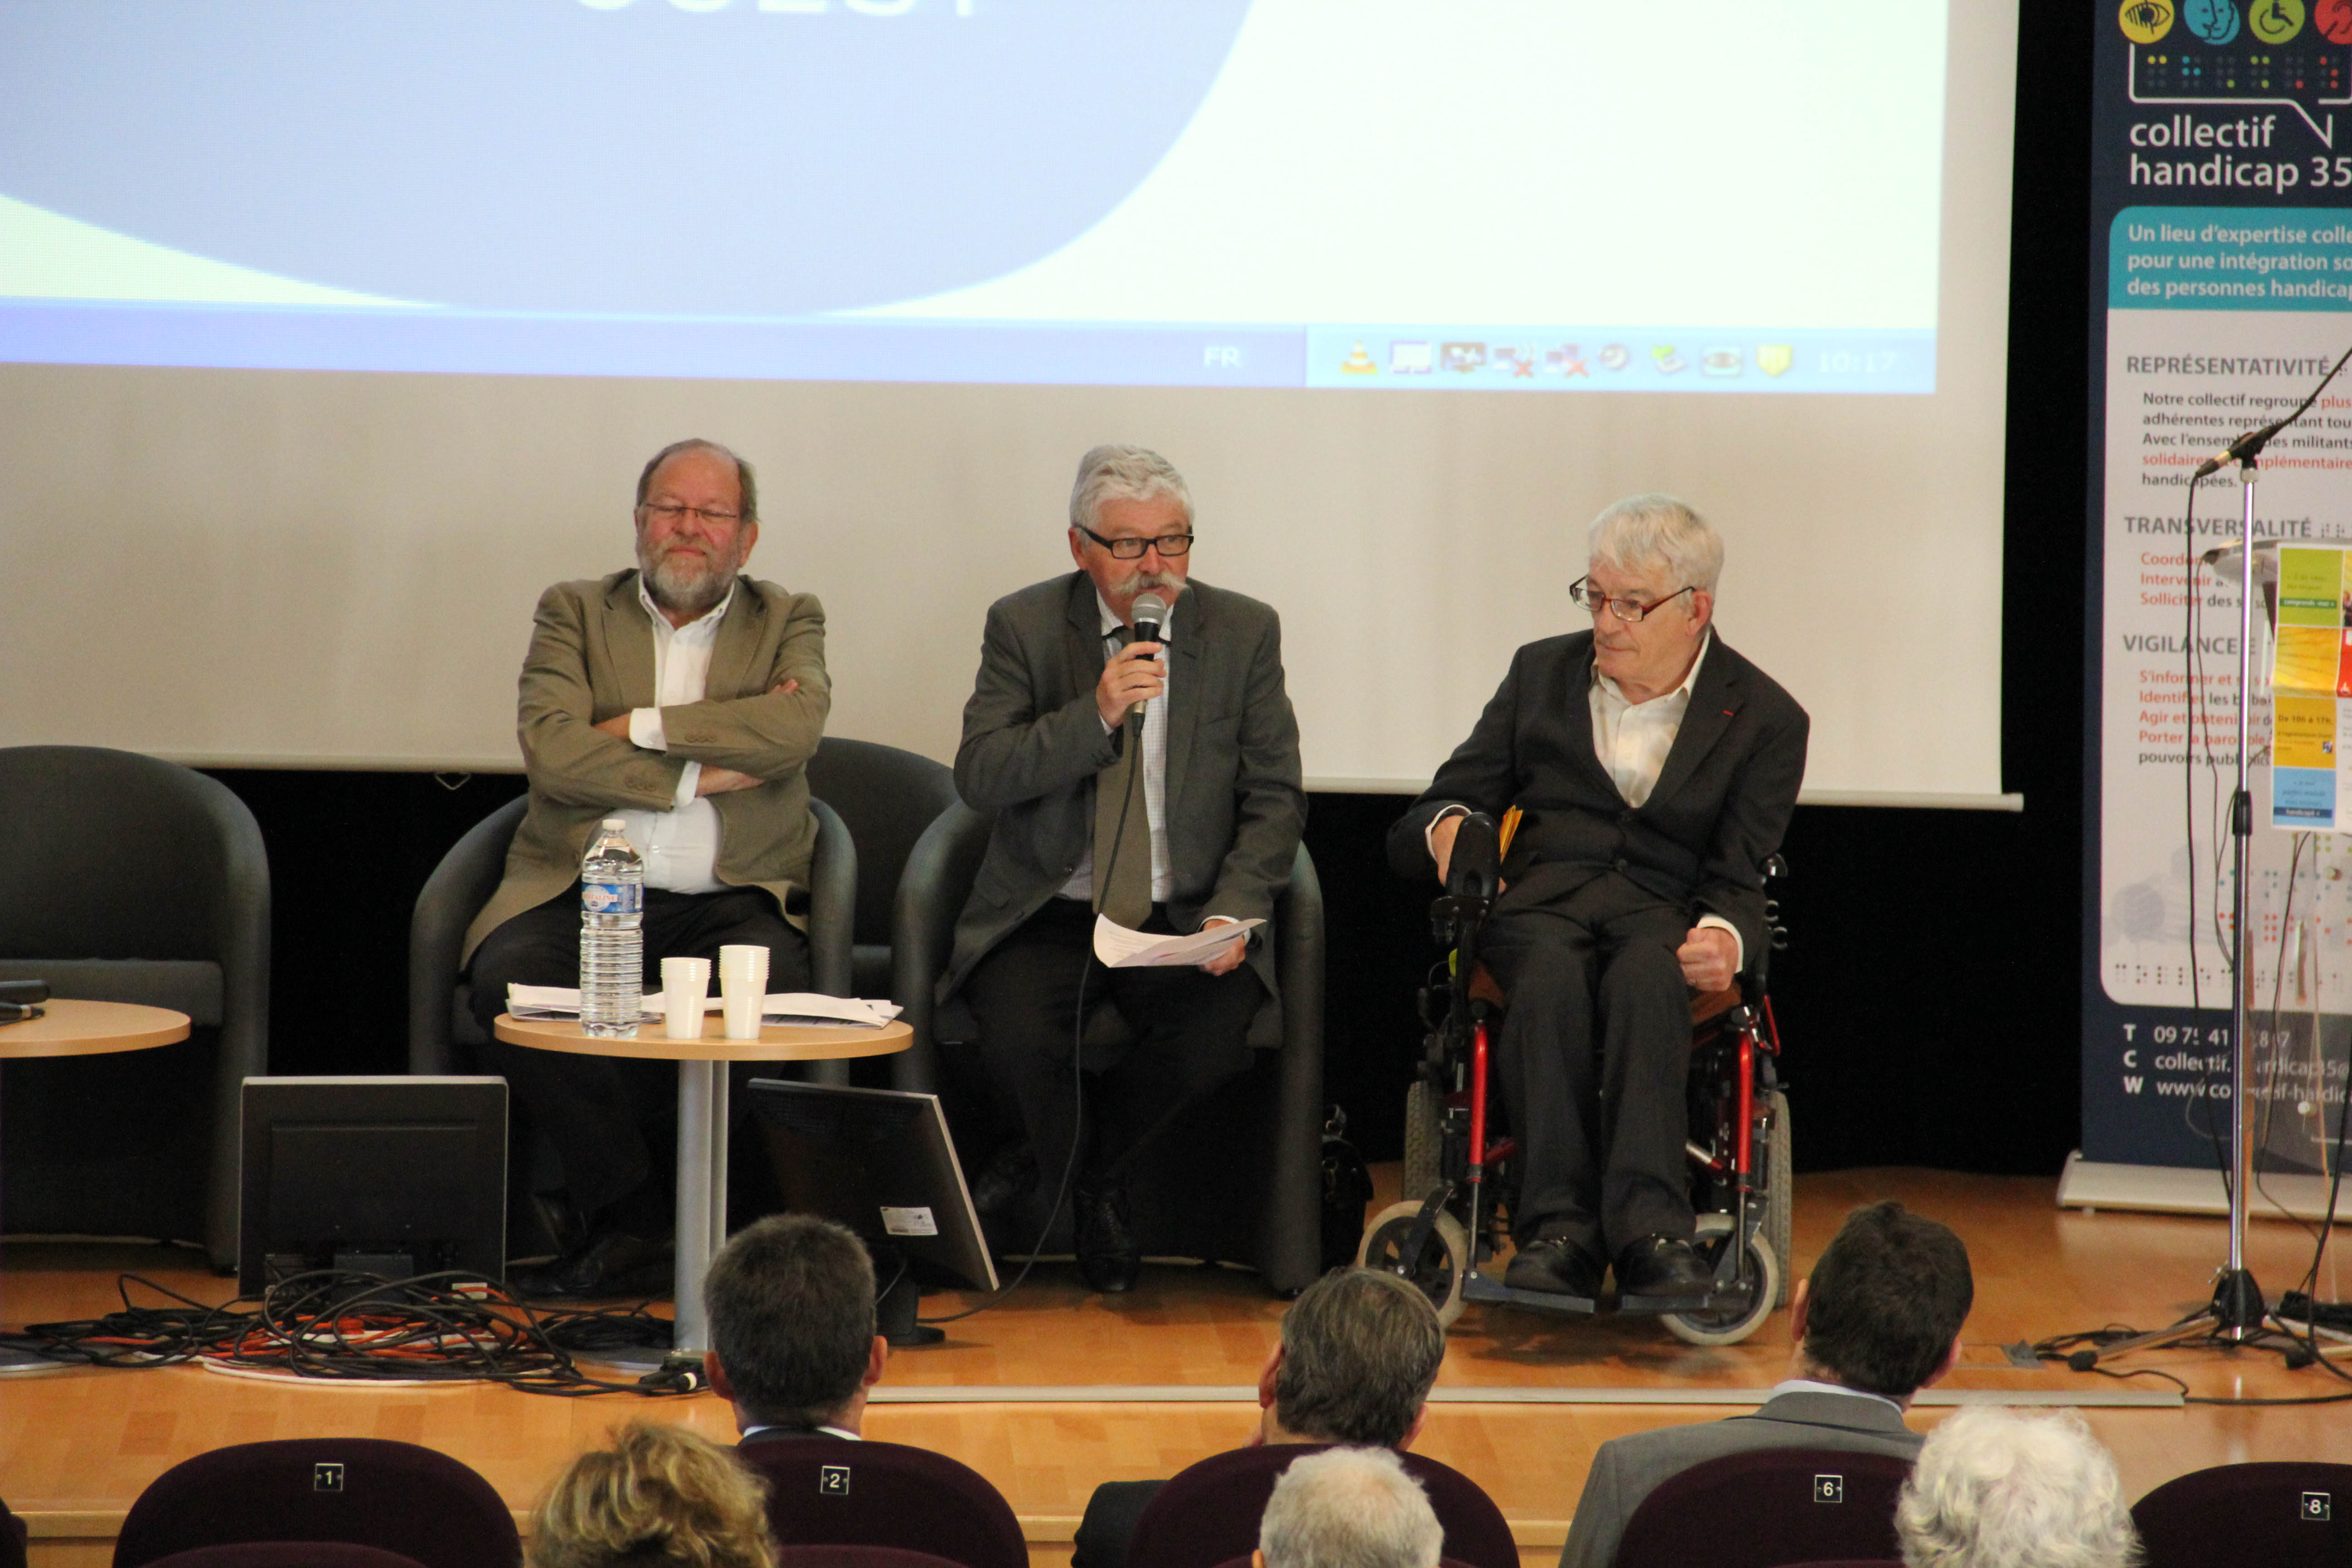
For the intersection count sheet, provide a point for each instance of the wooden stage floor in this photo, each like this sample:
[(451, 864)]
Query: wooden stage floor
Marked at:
[(76, 1447)]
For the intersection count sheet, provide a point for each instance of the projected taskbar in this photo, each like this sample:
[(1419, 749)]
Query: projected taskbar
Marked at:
[(1552, 359)]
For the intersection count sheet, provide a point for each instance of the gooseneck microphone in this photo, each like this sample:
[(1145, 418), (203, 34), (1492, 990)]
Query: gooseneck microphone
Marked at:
[(1149, 614)]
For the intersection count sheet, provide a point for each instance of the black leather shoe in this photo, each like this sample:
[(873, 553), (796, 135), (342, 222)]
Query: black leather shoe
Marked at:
[(1010, 1176), (1108, 1256), (1555, 1266), (1661, 1265), (610, 1263)]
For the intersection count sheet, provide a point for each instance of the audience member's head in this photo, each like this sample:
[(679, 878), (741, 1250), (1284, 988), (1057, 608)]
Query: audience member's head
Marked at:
[(1359, 1349), (1883, 1309), (1995, 1489), (660, 1497), (1349, 1508), (791, 1300)]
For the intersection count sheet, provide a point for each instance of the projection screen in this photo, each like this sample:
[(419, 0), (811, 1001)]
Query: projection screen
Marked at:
[(330, 335)]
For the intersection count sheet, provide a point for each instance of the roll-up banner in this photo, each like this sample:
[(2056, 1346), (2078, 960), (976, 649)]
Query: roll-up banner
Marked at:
[(2222, 277)]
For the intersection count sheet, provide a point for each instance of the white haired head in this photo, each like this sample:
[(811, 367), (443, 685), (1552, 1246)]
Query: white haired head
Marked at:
[(1997, 1489), (1349, 1508), (1118, 472), (1641, 531)]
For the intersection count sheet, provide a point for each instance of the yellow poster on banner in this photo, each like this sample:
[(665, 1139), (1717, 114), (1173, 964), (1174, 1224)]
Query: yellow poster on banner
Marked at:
[(2311, 678)]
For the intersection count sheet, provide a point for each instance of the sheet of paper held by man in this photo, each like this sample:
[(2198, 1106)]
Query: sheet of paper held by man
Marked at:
[(777, 1008), (1123, 949)]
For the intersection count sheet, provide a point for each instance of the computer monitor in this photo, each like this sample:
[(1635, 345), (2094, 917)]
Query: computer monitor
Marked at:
[(881, 1162), (395, 1177)]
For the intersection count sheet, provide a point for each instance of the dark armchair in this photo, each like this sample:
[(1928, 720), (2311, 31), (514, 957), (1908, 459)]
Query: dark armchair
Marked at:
[(1240, 1177), (440, 1017), (124, 879)]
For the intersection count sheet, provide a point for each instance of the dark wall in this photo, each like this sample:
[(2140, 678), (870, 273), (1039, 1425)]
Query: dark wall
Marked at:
[(1927, 1000)]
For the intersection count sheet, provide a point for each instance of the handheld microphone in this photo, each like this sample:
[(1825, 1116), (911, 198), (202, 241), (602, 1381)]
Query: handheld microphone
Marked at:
[(1149, 614)]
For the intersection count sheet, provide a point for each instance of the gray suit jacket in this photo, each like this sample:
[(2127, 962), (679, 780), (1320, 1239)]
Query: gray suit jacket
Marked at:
[(1033, 743), (1627, 1470), (592, 656)]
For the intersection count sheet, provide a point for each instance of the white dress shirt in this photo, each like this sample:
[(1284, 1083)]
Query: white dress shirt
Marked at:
[(1632, 740), (1081, 884), (680, 845), (750, 1432), (1815, 1385)]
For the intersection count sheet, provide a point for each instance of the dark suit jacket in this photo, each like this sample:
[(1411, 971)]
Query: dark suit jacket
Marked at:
[(591, 658), (1721, 804), (1627, 1470), (1033, 743)]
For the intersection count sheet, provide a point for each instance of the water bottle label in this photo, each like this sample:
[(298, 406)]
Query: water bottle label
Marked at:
[(612, 898)]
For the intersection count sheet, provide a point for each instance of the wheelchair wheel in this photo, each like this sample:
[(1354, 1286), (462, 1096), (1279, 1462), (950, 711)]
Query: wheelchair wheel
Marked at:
[(1728, 1328), (1423, 1108), (1780, 1192), (1444, 1257)]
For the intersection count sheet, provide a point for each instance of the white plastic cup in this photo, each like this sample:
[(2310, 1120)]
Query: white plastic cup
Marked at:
[(742, 987), (685, 992)]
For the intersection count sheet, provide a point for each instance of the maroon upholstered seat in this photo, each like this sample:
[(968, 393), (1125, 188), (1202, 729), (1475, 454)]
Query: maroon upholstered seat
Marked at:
[(1793, 1505), (366, 1491), (832, 1491), (1209, 1514), (286, 1554), (857, 1557), (1441, 1563), (2281, 1514)]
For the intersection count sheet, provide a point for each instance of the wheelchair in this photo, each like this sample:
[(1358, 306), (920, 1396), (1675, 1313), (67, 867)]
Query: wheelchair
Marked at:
[(1738, 1150)]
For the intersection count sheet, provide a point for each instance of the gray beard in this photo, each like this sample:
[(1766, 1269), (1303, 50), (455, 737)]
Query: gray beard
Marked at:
[(682, 593)]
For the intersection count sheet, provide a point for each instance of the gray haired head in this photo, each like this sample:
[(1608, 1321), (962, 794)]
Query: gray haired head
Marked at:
[(1646, 530), (1998, 1489), (745, 478), (1350, 1508), (1359, 1349), (1120, 472)]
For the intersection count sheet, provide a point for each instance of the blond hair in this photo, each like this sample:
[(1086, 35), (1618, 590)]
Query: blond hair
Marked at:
[(661, 1495)]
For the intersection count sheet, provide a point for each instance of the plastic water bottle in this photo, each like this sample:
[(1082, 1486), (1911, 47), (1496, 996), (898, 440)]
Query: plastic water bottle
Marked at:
[(612, 947)]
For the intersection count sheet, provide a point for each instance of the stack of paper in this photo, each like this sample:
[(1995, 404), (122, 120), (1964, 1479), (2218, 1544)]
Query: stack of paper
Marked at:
[(1123, 949), (779, 1008)]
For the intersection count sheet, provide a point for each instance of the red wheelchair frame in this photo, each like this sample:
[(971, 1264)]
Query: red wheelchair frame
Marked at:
[(1449, 1224)]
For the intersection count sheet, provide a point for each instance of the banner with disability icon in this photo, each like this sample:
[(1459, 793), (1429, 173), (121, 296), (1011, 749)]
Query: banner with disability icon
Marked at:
[(2221, 279)]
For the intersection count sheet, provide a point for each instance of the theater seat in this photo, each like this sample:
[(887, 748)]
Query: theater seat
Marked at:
[(1209, 1514), (857, 1557), (366, 1491), (2281, 1514), (1789, 1509), (833, 1491), (286, 1554)]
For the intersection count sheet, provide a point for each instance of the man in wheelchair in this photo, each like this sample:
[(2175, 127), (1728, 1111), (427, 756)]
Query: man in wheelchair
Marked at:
[(1655, 771)]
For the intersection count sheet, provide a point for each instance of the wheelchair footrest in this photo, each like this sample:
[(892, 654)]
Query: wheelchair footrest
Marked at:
[(1488, 1291)]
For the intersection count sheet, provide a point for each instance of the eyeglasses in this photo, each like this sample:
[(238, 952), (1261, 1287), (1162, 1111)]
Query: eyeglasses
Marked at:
[(674, 514), (1170, 544), (1630, 611)]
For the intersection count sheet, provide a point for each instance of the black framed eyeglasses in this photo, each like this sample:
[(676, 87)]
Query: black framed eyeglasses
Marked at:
[(1169, 544), (1630, 611)]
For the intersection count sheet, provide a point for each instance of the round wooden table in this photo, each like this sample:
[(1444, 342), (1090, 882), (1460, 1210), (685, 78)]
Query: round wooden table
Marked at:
[(72, 1029), (702, 1117)]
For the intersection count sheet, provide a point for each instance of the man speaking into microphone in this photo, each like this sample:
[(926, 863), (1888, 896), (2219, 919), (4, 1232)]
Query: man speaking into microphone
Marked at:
[(1130, 730)]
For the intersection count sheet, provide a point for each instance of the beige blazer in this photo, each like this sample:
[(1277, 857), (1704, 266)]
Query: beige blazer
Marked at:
[(592, 656)]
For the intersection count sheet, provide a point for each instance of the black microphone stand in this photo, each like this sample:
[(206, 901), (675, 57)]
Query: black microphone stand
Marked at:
[(2236, 1312)]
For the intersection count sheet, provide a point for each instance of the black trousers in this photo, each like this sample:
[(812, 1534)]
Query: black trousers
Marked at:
[(1191, 1028), (1595, 1057), (613, 1119)]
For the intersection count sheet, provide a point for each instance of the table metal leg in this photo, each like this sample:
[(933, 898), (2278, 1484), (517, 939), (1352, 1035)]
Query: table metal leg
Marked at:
[(696, 1191)]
